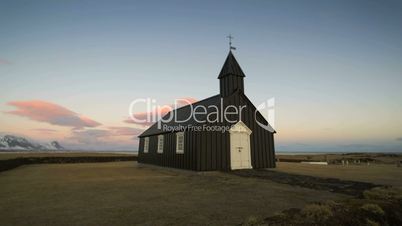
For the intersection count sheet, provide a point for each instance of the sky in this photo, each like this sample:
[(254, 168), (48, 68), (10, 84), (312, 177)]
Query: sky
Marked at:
[(70, 69)]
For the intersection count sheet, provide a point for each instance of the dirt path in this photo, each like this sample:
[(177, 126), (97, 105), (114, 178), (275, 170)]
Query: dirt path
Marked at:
[(328, 184)]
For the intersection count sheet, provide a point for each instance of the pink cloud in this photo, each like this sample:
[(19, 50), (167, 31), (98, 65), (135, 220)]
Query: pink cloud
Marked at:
[(2, 61), (149, 118), (185, 101), (54, 114), (125, 131)]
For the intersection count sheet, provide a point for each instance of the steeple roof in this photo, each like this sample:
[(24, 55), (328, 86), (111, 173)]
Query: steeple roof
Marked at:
[(231, 67)]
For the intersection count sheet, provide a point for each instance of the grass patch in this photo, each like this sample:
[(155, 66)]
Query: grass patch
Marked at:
[(316, 213), (124, 193), (380, 206), (383, 193)]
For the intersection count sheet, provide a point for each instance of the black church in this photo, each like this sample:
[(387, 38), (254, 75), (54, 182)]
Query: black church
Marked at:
[(226, 133)]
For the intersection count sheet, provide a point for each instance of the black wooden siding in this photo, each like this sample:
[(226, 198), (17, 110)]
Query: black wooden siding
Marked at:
[(169, 157), (229, 84)]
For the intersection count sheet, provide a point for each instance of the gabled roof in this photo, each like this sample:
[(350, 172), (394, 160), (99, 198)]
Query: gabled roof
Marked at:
[(258, 113), (183, 113), (231, 67)]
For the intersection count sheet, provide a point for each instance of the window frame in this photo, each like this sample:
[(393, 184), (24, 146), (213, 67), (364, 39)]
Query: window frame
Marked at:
[(160, 138), (146, 144), (178, 135)]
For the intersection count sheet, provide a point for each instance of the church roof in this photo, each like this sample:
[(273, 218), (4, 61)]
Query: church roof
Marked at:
[(231, 67), (182, 114)]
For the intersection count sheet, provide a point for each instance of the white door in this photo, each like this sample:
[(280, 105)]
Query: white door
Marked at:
[(240, 155)]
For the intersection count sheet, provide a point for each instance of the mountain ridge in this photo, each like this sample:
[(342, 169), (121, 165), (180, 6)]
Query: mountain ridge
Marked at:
[(11, 142)]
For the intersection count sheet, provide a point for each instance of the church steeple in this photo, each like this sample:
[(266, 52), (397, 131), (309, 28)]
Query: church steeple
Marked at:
[(231, 76)]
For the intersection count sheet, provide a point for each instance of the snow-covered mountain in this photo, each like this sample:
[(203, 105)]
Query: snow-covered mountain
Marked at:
[(54, 145), (9, 142)]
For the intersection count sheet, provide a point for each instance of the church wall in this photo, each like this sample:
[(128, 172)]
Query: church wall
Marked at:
[(169, 157)]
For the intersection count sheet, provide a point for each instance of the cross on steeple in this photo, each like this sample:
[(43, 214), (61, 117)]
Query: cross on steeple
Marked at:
[(230, 37)]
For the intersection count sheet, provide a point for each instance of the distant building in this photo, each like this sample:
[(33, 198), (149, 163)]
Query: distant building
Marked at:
[(246, 144)]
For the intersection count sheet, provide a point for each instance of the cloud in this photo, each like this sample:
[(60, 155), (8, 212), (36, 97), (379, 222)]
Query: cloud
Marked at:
[(125, 131), (54, 114), (399, 138), (147, 118), (107, 136), (185, 101), (91, 136), (44, 130), (4, 62), (109, 132)]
